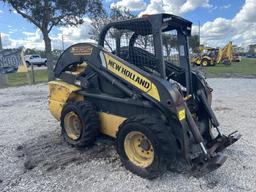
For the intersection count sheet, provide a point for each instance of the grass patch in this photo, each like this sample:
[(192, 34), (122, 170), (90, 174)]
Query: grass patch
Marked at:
[(17, 79), (247, 67)]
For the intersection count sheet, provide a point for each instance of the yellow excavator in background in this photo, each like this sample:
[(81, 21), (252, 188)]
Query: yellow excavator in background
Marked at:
[(211, 56)]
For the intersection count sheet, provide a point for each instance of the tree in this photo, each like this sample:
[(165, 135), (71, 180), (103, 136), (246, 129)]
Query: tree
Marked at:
[(115, 14), (97, 24), (194, 43), (56, 53), (169, 42), (252, 49), (30, 51), (46, 14)]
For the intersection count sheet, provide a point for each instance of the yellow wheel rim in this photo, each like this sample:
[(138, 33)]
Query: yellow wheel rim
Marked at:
[(205, 63), (139, 149), (72, 125)]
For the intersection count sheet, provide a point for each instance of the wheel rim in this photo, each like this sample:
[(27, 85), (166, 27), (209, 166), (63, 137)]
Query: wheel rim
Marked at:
[(205, 63), (138, 149), (72, 125)]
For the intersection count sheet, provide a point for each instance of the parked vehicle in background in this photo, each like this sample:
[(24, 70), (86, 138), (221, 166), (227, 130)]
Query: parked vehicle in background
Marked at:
[(251, 55), (211, 56), (35, 59)]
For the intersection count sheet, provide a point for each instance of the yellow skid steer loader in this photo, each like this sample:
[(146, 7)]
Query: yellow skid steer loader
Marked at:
[(145, 96)]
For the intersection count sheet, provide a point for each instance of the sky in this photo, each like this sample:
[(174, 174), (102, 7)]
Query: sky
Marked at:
[(220, 21)]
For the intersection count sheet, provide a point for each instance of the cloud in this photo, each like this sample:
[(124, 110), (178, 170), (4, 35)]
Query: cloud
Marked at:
[(155, 6), (31, 40), (247, 13), (5, 40), (241, 29), (132, 5), (177, 7), (225, 6), (1, 11), (191, 5), (218, 29), (72, 35), (213, 8), (215, 33)]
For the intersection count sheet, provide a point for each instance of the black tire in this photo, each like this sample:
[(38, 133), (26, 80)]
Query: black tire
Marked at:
[(28, 64), (227, 63), (161, 138), (194, 64), (45, 63), (205, 63), (89, 119)]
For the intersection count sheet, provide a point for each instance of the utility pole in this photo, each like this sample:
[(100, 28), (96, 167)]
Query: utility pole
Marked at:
[(199, 33), (1, 45)]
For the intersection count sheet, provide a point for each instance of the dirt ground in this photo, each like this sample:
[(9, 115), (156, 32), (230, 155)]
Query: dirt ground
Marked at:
[(33, 156)]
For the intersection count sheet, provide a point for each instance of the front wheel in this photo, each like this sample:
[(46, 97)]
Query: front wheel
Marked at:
[(146, 146), (205, 62)]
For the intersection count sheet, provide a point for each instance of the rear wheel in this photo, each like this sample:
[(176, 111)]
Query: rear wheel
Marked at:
[(146, 146), (212, 64), (79, 123), (205, 62)]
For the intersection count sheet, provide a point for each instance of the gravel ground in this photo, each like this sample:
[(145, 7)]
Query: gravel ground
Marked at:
[(33, 156)]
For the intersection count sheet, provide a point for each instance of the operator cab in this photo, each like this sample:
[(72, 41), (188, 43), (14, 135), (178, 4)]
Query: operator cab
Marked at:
[(155, 43)]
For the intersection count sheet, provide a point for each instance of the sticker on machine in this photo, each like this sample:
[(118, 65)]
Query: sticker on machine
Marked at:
[(81, 50), (182, 114), (132, 76)]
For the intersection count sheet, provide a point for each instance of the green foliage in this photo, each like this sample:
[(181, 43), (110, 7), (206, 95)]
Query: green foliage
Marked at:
[(17, 79), (194, 43), (252, 49), (46, 14), (34, 51), (55, 53), (117, 14)]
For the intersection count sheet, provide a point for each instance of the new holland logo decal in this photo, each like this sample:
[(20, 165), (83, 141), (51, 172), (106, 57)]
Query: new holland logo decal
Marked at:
[(131, 76), (81, 50)]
